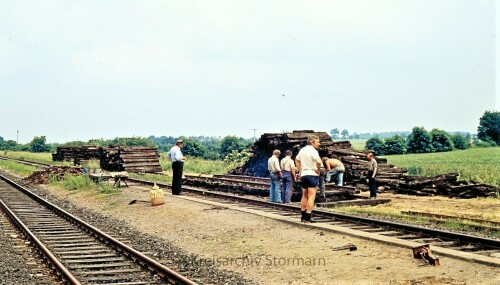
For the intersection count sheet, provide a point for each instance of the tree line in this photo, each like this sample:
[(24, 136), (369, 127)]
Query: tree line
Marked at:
[(214, 148), (422, 141)]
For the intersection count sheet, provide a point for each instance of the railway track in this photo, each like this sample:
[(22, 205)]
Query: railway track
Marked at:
[(78, 252), (476, 245), (478, 249)]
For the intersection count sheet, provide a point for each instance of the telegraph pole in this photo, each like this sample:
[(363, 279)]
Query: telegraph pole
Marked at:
[(254, 137)]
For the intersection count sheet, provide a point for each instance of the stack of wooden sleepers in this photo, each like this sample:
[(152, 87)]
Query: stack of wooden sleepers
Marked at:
[(131, 159), (64, 153), (113, 158)]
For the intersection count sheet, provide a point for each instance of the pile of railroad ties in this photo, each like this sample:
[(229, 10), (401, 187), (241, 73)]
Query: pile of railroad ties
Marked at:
[(113, 158), (53, 172), (389, 177)]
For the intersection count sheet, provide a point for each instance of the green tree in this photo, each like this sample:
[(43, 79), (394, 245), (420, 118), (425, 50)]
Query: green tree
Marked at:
[(441, 141), (395, 145), (419, 141), (1, 140), (345, 134), (193, 148), (335, 133), (38, 144), (230, 143), (8, 145), (460, 142), (375, 144), (489, 127)]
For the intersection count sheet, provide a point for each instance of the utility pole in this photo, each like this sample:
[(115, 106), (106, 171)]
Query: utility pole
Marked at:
[(254, 137), (17, 137)]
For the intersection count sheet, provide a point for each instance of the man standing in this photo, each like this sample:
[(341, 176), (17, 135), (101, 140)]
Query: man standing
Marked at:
[(309, 166), (273, 165), (177, 159), (372, 173), (334, 167), (288, 177)]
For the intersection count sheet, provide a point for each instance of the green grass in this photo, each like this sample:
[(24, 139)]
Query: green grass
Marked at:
[(476, 164), (199, 165), (450, 224), (43, 157), (358, 144), (152, 177), (17, 168), (80, 183)]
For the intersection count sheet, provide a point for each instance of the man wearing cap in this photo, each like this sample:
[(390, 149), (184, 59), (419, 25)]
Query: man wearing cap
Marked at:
[(288, 177), (175, 155)]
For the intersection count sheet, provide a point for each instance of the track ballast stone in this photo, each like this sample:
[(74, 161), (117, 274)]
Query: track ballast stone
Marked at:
[(163, 251)]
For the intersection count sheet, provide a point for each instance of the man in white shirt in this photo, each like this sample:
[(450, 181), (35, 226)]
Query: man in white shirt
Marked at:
[(288, 177), (273, 165), (175, 155), (309, 165)]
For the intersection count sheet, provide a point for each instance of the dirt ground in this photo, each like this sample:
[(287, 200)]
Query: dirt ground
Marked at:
[(479, 208), (272, 252)]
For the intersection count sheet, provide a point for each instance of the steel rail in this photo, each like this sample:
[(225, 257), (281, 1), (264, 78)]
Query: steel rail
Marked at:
[(171, 276), (58, 266), (493, 243)]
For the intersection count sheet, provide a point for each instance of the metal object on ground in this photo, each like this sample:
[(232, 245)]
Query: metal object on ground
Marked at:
[(349, 246), (424, 252)]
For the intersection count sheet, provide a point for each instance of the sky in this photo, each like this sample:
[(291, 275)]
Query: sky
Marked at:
[(76, 70)]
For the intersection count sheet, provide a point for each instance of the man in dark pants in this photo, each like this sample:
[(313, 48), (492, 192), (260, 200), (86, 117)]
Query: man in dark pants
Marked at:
[(177, 159), (371, 176)]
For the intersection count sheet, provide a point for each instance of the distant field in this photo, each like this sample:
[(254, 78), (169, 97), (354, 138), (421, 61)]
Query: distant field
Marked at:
[(478, 164), (358, 144)]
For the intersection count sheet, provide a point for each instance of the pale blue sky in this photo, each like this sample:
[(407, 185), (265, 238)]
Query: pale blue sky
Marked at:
[(90, 69)]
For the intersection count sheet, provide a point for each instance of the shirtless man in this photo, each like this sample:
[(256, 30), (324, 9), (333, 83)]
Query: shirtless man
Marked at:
[(334, 167)]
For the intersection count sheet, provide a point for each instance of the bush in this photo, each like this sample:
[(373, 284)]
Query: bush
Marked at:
[(229, 144), (441, 141), (395, 145), (38, 144), (484, 144), (460, 142), (489, 127), (419, 141), (376, 144), (193, 148)]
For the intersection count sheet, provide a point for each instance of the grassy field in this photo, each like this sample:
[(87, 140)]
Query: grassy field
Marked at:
[(477, 164), (43, 157), (358, 144), (199, 165)]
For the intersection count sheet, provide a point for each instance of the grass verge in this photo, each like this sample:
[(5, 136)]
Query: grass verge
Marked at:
[(81, 183), (448, 224), (17, 168), (152, 177), (42, 157)]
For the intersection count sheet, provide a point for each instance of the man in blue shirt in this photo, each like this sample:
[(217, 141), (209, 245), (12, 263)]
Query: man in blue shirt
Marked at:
[(175, 155)]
